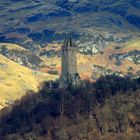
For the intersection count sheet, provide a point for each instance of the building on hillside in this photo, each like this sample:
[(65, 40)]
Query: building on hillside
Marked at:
[(69, 75)]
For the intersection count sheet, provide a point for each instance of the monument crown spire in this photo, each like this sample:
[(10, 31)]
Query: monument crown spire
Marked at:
[(68, 42)]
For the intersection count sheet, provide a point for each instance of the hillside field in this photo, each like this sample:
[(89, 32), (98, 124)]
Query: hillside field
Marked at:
[(15, 80)]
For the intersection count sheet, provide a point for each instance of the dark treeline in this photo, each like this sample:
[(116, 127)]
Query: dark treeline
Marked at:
[(105, 110)]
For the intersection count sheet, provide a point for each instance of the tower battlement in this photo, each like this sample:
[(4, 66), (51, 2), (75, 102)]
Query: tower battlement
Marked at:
[(69, 74)]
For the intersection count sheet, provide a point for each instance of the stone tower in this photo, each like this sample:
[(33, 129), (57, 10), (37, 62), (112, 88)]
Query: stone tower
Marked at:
[(69, 75)]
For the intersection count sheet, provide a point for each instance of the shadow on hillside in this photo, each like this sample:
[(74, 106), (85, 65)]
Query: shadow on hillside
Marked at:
[(103, 87)]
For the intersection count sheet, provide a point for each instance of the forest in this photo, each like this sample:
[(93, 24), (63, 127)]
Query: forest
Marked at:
[(108, 109)]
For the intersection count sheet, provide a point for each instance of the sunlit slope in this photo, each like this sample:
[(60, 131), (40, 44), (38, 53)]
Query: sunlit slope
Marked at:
[(15, 80)]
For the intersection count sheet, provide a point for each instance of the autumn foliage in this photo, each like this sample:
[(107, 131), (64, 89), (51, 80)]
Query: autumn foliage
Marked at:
[(105, 110)]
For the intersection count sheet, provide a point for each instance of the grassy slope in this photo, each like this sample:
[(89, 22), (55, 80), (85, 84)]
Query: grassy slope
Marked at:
[(15, 80)]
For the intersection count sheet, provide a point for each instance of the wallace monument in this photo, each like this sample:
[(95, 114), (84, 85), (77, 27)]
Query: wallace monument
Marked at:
[(69, 75)]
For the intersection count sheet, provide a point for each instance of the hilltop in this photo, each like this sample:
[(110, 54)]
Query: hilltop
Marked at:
[(105, 106)]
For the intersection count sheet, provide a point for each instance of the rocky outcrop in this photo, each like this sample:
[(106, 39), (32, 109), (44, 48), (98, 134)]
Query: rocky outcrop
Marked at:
[(103, 71), (50, 53), (99, 71), (96, 42), (133, 56), (21, 56)]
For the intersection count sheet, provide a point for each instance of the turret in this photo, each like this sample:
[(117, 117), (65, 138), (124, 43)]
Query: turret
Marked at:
[(68, 63)]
